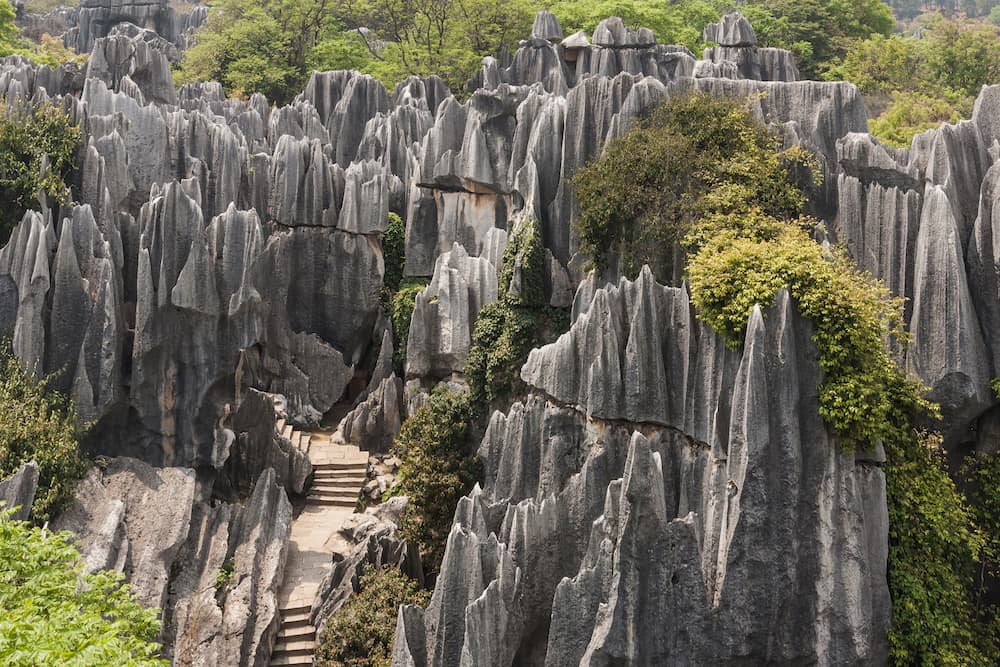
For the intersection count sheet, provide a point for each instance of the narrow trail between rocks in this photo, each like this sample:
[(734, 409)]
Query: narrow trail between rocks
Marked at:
[(339, 472)]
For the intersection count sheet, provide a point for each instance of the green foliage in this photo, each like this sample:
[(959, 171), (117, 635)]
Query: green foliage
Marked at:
[(401, 312), (265, 46), (507, 330), (932, 562), (361, 633), (443, 37), (394, 253), (26, 135), (9, 33), (914, 83), (437, 467), (908, 115), (863, 396), (818, 32), (695, 158), (54, 615), (982, 473), (224, 576), (46, 6), (271, 46), (41, 426)]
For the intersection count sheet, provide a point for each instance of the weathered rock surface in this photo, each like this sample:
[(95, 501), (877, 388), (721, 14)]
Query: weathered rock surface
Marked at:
[(149, 524), (17, 492), (219, 250), (377, 542), (727, 474)]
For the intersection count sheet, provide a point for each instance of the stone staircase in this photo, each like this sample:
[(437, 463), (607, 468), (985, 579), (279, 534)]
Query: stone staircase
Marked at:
[(339, 473)]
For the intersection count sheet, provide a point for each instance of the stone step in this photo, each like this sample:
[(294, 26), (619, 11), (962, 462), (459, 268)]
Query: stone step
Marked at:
[(340, 476), (340, 465), (305, 442), (325, 489), (295, 622), (291, 614), (297, 647), (291, 660), (345, 494), (335, 502), (296, 632), (280, 424), (286, 432)]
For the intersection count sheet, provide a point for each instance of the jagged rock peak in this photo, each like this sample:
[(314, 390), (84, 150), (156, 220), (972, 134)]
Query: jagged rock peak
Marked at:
[(733, 29), (612, 33), (546, 27)]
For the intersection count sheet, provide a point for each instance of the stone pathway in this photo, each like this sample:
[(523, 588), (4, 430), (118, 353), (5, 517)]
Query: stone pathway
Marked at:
[(339, 472)]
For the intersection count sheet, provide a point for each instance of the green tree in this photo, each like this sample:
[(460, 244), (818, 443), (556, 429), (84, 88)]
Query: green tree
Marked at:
[(361, 633), (54, 615), (438, 466), (29, 136), (9, 32), (818, 32), (910, 114), (443, 37), (263, 46), (38, 425), (694, 157), (518, 321)]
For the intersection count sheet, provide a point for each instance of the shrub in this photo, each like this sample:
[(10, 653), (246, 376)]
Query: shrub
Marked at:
[(438, 466), (394, 253), (693, 157), (507, 330), (401, 308), (361, 633), (54, 615), (862, 392), (934, 554), (26, 135), (41, 426)]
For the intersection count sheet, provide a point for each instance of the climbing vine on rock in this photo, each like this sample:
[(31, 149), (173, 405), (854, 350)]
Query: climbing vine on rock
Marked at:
[(39, 425), (520, 320), (361, 633), (736, 210)]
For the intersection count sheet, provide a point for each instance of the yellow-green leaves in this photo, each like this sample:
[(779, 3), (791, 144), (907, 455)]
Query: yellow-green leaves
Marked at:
[(54, 615), (41, 426)]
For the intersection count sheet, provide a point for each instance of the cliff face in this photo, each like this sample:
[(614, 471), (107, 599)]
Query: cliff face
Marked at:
[(660, 499), (218, 250)]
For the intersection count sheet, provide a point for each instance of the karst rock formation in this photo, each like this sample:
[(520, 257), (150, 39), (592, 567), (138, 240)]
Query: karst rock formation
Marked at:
[(654, 498)]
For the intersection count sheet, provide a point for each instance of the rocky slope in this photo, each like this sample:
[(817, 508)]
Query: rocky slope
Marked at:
[(218, 251)]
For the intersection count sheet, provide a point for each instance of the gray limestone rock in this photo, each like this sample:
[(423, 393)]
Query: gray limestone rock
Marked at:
[(947, 352), (133, 518), (731, 30), (374, 423), (565, 576), (547, 27), (444, 314), (376, 543), (235, 623), (17, 492)]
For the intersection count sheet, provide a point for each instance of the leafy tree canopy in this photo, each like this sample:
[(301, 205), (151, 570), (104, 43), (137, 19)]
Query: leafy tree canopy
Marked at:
[(913, 84), (38, 425), (26, 136), (361, 633), (54, 615)]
